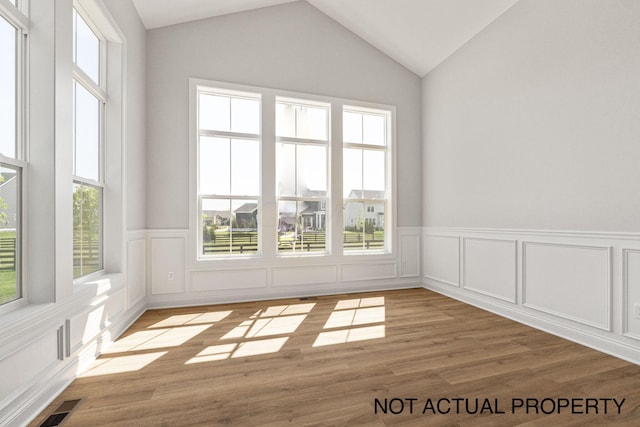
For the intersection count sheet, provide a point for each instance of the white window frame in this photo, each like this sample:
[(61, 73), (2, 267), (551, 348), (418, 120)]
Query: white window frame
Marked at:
[(99, 91), (389, 200), (326, 200), (213, 90), (113, 84), (17, 16)]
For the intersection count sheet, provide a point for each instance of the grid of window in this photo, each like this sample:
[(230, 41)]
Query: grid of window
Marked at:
[(89, 100), (228, 172), (13, 30), (302, 150), (365, 137)]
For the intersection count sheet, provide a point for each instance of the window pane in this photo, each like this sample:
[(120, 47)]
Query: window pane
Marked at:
[(364, 226), (8, 86), (87, 133), (87, 229), (229, 226), (216, 226), (86, 48), (286, 169), (244, 231), (311, 170), (245, 115), (214, 113), (373, 173), (10, 288), (301, 121), (215, 162), (301, 226), (373, 128), (245, 167), (352, 172), (311, 123), (352, 127)]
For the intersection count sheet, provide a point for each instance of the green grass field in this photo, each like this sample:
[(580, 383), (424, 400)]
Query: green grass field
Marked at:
[(8, 291), (7, 286)]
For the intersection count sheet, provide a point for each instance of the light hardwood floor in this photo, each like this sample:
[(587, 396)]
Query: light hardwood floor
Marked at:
[(325, 361)]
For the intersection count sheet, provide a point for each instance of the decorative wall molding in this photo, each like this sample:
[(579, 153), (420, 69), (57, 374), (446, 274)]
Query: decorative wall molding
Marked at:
[(304, 276), (631, 294), (269, 277), (569, 281), (216, 280), (573, 284), (409, 247), (490, 267), (441, 258), (529, 232)]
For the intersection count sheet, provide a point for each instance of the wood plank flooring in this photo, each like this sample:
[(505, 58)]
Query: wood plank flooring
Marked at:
[(325, 361)]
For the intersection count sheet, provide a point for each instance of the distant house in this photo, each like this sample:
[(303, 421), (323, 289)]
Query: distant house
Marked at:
[(217, 218), (247, 216), (8, 196), (311, 215), (357, 215)]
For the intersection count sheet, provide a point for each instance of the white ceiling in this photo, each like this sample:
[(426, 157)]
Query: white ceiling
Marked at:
[(418, 34)]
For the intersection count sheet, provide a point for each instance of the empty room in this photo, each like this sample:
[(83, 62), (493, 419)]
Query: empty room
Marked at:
[(319, 212)]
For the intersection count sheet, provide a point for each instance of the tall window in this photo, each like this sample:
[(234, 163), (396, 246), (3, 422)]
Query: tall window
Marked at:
[(13, 30), (89, 98), (302, 149), (365, 171), (228, 172)]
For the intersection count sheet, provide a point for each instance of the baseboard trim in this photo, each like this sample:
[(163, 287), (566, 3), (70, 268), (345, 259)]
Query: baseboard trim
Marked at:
[(31, 406), (274, 293)]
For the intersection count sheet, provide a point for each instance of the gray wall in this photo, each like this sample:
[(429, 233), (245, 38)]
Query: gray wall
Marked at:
[(135, 112), (293, 47), (535, 123)]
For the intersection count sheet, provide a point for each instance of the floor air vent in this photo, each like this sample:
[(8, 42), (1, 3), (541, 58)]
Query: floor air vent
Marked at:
[(58, 416)]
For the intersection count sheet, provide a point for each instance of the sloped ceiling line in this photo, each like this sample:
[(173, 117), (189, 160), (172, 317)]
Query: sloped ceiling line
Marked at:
[(419, 34)]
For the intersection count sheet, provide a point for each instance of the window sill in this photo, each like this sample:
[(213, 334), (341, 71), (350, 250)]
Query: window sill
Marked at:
[(98, 284)]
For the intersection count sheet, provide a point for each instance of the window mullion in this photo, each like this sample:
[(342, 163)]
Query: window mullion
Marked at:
[(14, 16), (82, 78)]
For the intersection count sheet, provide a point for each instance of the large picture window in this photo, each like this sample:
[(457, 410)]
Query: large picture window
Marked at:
[(13, 30), (365, 183), (302, 148), (228, 172), (267, 167), (89, 99)]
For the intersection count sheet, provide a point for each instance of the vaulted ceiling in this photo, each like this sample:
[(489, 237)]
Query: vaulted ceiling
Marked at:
[(418, 34)]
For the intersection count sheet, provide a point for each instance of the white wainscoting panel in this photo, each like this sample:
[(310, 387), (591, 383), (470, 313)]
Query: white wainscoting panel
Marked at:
[(167, 265), (114, 307), (136, 270), (442, 258), (569, 281), (631, 261), (490, 267), (84, 327), (25, 365), (410, 255), (216, 280), (368, 271), (304, 275)]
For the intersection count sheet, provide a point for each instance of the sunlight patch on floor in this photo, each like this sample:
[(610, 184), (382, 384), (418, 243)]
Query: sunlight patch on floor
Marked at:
[(192, 319), (350, 313), (244, 349), (344, 336), (156, 338), (122, 364)]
